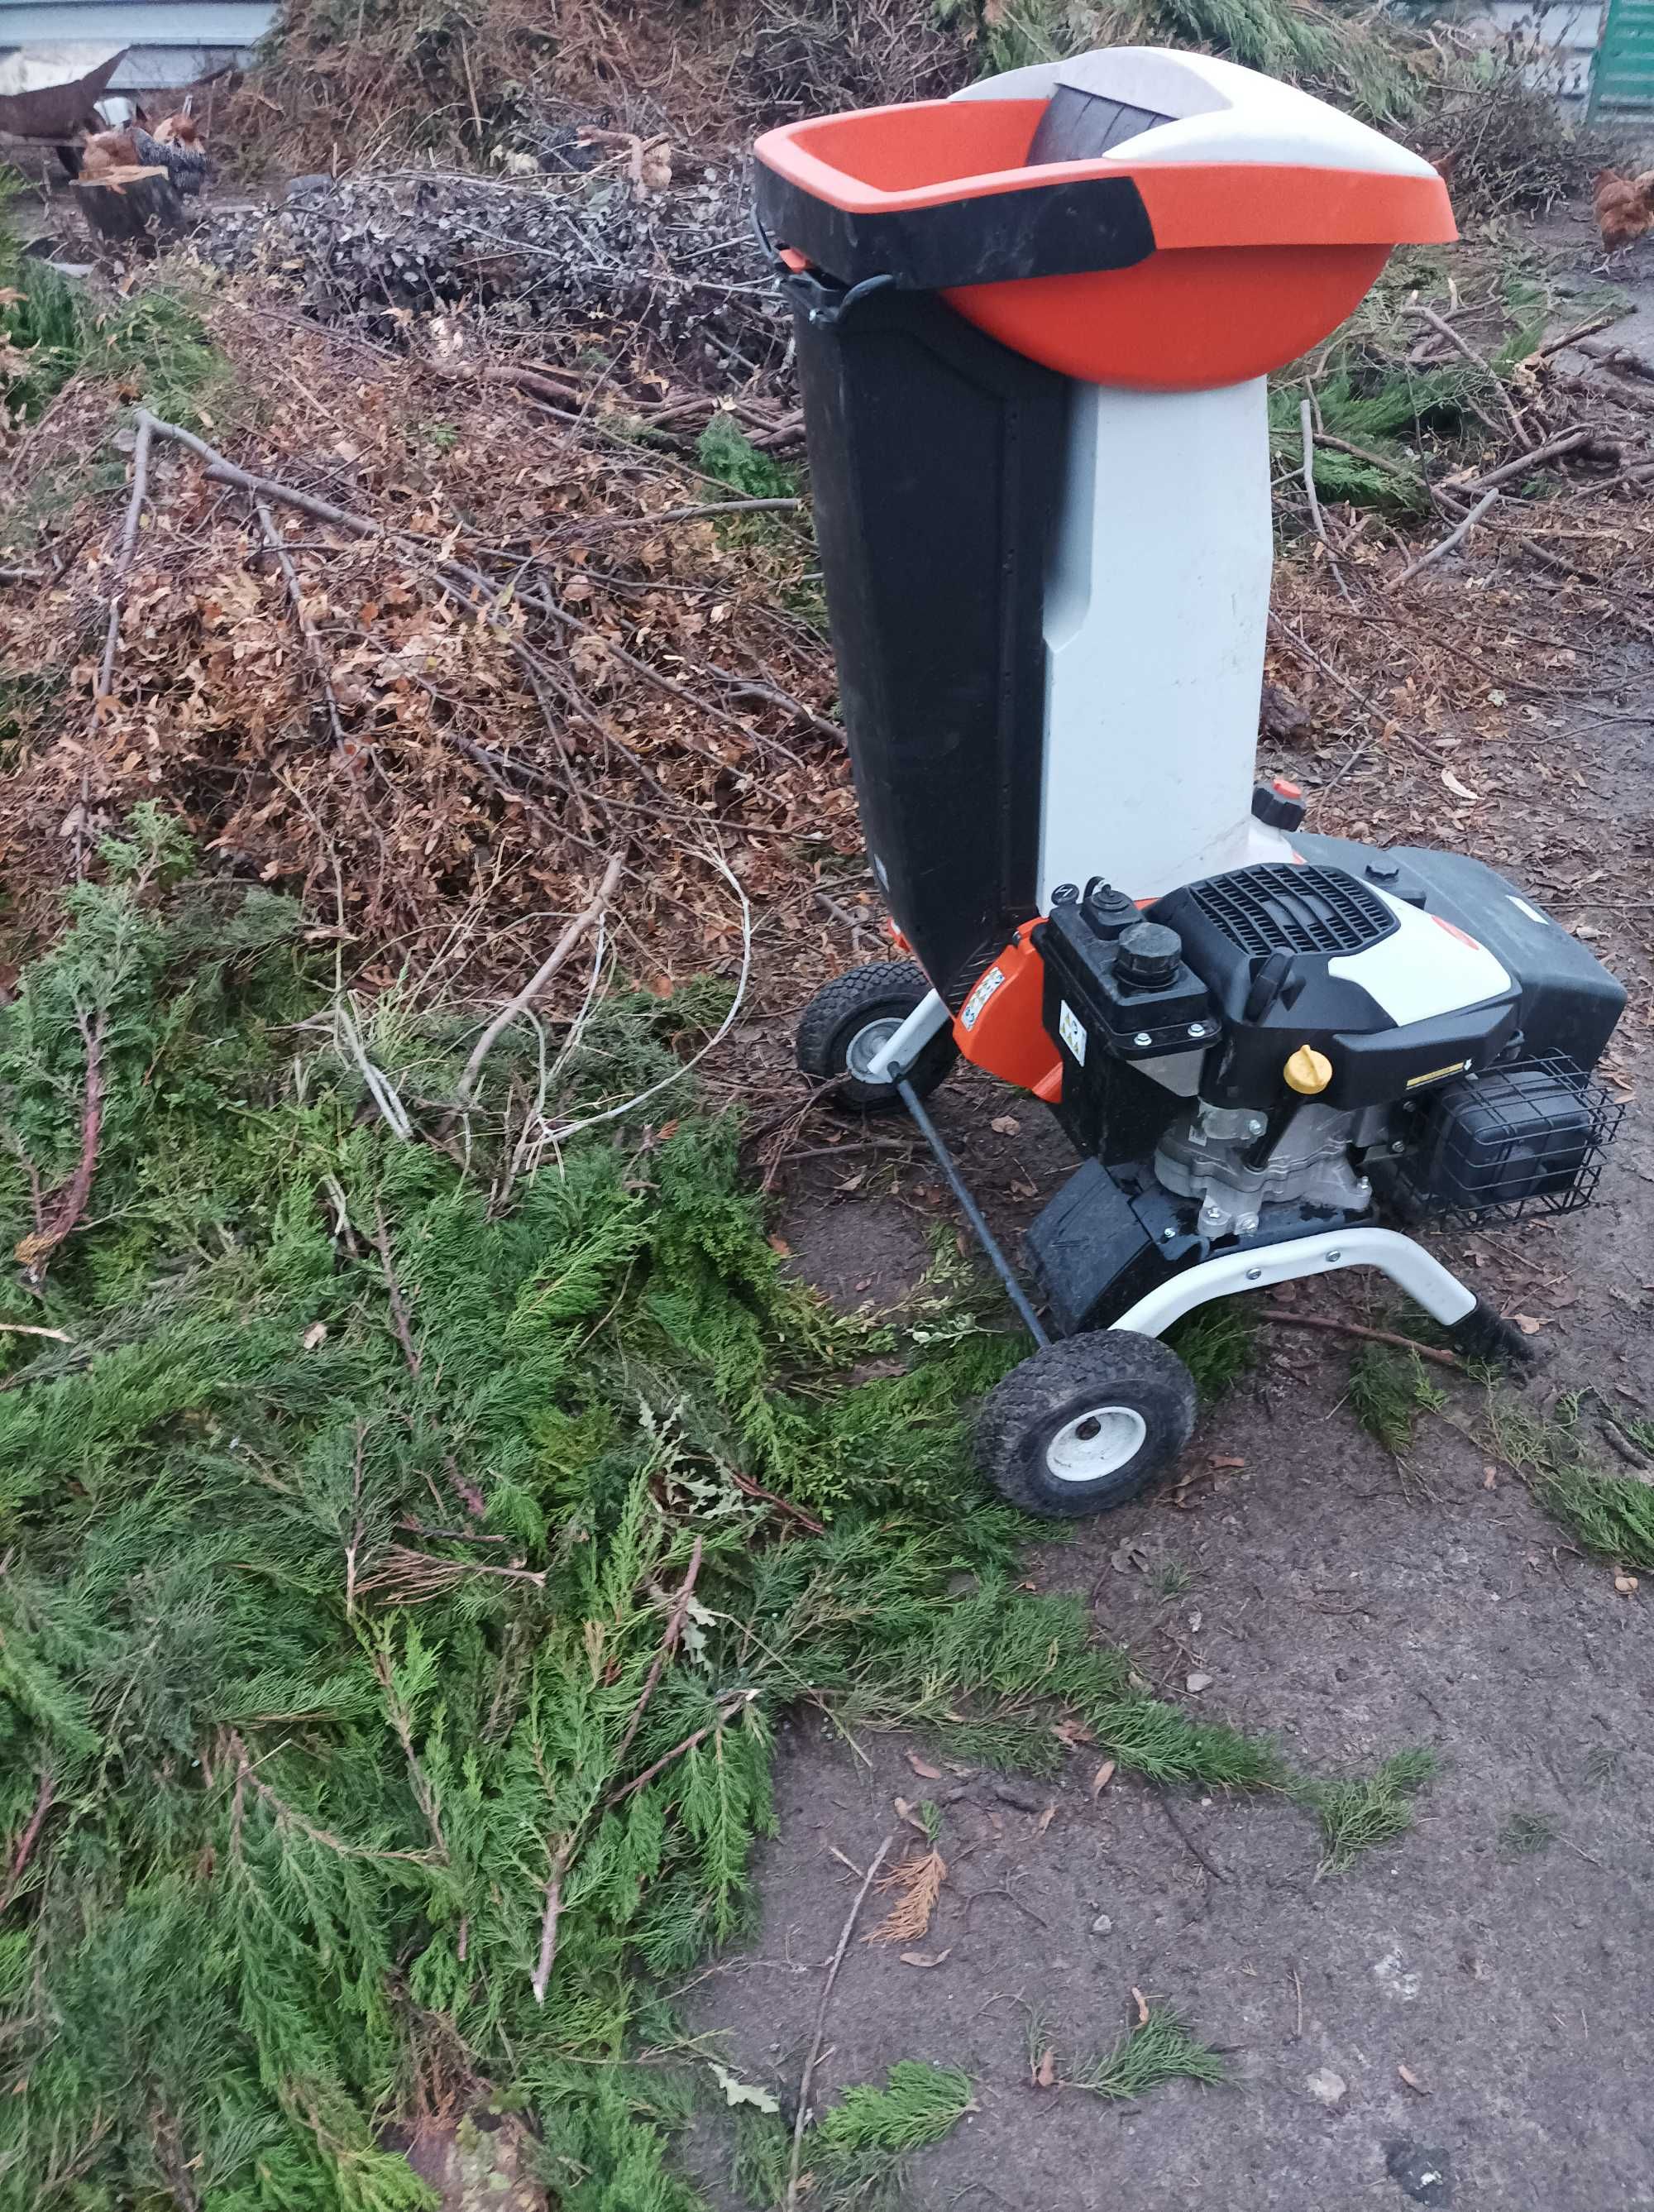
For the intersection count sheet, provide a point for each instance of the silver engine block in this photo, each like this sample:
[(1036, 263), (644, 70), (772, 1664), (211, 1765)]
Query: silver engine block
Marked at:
[(1204, 1155)]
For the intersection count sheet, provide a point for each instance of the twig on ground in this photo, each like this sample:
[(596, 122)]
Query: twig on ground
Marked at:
[(1308, 652), (669, 1644), (1523, 435), (306, 628), (1583, 434), (790, 2201), (567, 1129), (689, 514), (1217, 1873), (543, 975), (548, 1920), (725, 1712), (28, 1840), (124, 556), (1462, 529), (1622, 360), (399, 1320), (24, 1328), (1307, 424), (1582, 330), (1341, 1328), (744, 1482), (38, 1247)]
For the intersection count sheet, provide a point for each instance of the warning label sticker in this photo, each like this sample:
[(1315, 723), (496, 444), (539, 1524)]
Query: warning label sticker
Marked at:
[(980, 998), (1072, 1031)]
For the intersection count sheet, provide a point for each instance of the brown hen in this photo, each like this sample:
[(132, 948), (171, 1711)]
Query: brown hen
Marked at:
[(1624, 208)]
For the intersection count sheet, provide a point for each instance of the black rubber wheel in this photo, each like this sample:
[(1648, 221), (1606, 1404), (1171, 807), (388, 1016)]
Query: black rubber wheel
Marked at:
[(850, 1018), (1087, 1423)]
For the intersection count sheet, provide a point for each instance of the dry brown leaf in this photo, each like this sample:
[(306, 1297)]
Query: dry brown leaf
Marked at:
[(1413, 2081), (1045, 2074), (921, 1959), (1459, 790), (1072, 1732), (905, 1812), (1101, 1778), (1007, 1124), (315, 1335), (922, 1768), (1045, 1818), (1141, 2002), (1628, 1585), (916, 1885), (1527, 1324), (1225, 1460)]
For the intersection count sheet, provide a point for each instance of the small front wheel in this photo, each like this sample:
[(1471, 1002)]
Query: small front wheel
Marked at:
[(848, 1020), (1086, 1424)]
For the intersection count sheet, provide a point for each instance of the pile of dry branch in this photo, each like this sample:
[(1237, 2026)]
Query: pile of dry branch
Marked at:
[(619, 229), (429, 653)]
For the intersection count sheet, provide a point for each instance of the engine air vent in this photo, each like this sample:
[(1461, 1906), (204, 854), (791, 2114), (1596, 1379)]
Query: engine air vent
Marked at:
[(1279, 907)]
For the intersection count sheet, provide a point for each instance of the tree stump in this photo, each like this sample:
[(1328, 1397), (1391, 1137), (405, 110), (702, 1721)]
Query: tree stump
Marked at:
[(131, 207)]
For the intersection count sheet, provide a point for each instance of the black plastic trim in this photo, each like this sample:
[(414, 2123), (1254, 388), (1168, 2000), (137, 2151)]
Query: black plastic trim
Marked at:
[(935, 459), (1067, 229)]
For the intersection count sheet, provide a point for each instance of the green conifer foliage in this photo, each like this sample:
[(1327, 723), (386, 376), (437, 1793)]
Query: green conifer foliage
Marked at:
[(343, 1519)]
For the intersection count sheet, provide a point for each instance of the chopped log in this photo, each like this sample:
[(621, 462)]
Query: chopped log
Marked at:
[(131, 206)]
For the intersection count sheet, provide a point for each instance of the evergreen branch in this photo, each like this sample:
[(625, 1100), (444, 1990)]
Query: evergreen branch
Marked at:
[(401, 1722), (287, 1815)]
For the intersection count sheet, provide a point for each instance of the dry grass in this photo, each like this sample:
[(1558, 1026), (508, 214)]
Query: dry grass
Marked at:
[(916, 1885)]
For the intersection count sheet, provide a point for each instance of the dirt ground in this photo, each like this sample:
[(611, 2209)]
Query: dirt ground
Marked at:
[(1352, 1607)]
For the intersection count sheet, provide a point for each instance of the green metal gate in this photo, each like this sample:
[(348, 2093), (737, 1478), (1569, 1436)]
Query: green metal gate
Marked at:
[(1622, 78)]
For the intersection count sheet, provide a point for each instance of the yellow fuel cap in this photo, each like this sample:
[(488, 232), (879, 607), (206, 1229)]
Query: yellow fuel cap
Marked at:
[(1308, 1070)]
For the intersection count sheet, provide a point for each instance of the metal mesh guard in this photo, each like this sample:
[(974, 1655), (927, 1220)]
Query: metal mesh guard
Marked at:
[(1489, 1161), (1279, 907)]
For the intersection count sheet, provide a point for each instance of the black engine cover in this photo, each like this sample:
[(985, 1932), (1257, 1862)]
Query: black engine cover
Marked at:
[(1264, 939)]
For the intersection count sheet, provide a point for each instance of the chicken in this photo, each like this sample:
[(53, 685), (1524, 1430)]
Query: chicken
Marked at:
[(186, 154), (1624, 207), (174, 145)]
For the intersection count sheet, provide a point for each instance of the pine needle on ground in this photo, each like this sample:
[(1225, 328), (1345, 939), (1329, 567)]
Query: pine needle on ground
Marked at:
[(917, 1885), (1364, 1815), (1160, 2048)]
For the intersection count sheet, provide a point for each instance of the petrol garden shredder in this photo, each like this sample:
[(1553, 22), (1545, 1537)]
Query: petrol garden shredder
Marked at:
[(1033, 324)]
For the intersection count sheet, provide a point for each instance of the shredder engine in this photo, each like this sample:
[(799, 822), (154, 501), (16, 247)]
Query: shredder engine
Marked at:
[(1035, 325)]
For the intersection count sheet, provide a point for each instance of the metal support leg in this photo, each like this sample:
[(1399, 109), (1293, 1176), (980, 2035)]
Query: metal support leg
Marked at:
[(899, 1052), (1407, 1264), (972, 1212)]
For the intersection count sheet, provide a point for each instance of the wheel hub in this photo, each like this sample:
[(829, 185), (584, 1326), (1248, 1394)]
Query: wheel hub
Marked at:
[(868, 1042), (1095, 1443)]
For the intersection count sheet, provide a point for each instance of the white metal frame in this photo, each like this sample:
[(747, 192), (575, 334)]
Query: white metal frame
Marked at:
[(1407, 1264)]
